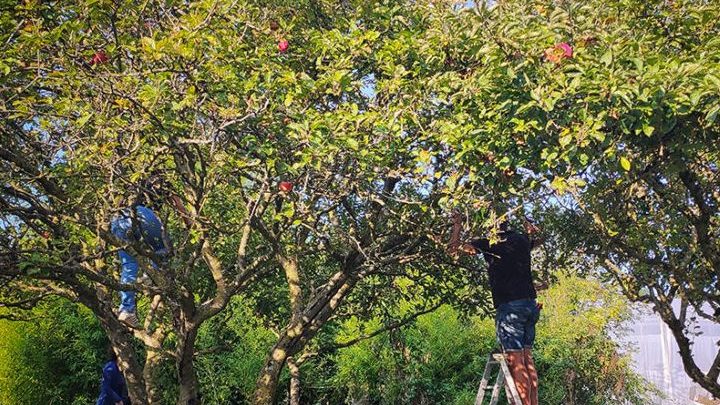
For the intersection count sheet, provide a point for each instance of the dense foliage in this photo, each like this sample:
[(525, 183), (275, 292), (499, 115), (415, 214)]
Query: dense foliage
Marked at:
[(437, 360), (54, 357)]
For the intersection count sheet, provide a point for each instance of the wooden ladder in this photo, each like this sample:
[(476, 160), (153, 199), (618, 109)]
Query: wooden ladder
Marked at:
[(503, 379)]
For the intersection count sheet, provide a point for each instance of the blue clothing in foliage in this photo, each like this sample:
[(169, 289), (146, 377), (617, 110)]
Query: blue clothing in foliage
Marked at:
[(113, 388), (149, 230)]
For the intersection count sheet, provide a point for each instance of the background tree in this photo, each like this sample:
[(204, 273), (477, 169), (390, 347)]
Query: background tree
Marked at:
[(617, 119), (56, 355), (645, 209)]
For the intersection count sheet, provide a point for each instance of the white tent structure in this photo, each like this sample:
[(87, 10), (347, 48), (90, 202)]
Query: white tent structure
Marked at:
[(656, 356)]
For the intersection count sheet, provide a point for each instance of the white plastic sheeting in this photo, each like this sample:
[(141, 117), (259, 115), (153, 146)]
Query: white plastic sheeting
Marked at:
[(656, 356)]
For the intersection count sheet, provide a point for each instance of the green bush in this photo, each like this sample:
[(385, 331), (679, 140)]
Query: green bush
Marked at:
[(228, 376), (441, 358), (438, 360), (55, 356)]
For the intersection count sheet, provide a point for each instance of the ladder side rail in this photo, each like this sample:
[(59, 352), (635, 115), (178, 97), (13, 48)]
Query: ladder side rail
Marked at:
[(497, 389), (485, 381), (510, 381)]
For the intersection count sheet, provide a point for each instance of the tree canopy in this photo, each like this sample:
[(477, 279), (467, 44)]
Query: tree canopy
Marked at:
[(309, 155)]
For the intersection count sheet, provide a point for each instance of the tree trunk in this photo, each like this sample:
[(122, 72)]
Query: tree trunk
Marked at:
[(152, 361), (127, 360), (266, 386), (120, 339), (294, 381), (708, 382), (186, 370), (297, 334), (267, 383)]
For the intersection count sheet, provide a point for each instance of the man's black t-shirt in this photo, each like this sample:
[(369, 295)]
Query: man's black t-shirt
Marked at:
[(509, 266)]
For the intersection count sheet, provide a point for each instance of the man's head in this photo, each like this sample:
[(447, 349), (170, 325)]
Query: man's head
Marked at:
[(149, 191), (110, 353)]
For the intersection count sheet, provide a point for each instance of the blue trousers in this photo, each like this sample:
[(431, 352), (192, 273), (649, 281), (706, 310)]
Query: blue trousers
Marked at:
[(515, 324), (148, 230)]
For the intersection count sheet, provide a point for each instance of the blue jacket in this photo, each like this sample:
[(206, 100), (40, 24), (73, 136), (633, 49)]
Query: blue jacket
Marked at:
[(113, 387), (149, 226)]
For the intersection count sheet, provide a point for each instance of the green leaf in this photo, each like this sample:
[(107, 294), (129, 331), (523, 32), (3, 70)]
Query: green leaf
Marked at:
[(84, 119), (353, 143), (712, 114), (638, 64), (625, 163), (696, 96), (647, 129), (149, 44), (578, 182), (565, 138), (559, 184), (607, 58)]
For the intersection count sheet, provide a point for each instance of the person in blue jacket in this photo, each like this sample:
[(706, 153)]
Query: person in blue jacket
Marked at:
[(139, 223), (113, 390), (144, 226)]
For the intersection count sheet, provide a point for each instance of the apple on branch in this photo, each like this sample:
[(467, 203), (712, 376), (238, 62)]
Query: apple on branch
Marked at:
[(285, 186), (283, 46), (559, 52), (100, 57)]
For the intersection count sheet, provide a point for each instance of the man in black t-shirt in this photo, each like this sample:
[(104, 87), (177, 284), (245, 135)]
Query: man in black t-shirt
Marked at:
[(513, 294)]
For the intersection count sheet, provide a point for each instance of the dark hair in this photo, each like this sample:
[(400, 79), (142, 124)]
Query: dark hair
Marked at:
[(151, 190), (110, 353)]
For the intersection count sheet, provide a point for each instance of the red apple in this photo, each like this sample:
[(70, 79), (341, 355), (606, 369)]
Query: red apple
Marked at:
[(559, 52), (283, 46), (98, 58), (285, 186), (567, 49)]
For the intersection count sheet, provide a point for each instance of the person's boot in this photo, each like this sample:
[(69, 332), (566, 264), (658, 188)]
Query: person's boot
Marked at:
[(129, 319)]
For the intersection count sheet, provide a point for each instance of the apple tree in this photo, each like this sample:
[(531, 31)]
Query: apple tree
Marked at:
[(288, 150), (619, 121)]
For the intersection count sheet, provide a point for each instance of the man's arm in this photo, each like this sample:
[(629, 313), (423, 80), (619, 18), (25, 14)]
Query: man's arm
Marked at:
[(534, 234), (456, 244)]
